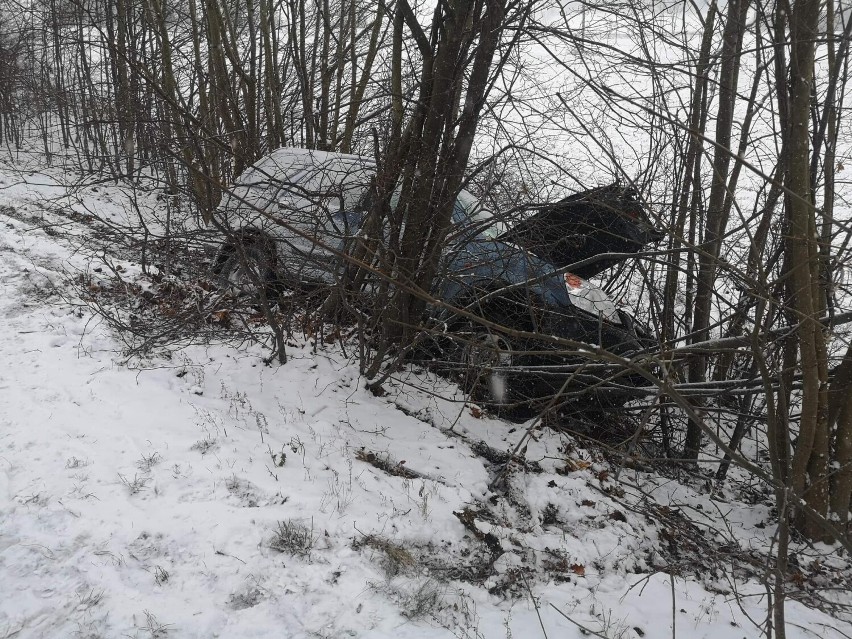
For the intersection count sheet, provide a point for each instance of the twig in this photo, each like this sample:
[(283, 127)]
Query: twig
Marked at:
[(224, 554), (535, 603), (674, 606), (579, 625)]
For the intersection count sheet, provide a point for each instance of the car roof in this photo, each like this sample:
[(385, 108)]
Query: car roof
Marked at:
[(286, 159)]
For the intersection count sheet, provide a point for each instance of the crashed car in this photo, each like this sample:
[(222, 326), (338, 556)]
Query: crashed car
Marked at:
[(289, 216)]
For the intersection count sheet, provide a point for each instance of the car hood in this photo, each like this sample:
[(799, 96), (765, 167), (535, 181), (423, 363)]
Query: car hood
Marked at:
[(608, 219)]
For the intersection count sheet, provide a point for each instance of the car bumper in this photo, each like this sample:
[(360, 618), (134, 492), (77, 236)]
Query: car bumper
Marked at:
[(578, 363)]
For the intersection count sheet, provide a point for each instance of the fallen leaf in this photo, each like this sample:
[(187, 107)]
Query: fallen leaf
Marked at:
[(221, 317), (576, 464)]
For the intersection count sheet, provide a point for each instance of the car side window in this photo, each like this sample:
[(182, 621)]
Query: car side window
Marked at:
[(337, 184), (356, 186)]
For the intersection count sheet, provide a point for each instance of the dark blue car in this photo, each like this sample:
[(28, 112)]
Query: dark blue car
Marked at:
[(287, 217)]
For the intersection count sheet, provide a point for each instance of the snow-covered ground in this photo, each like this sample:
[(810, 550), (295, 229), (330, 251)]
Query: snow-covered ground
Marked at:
[(209, 494)]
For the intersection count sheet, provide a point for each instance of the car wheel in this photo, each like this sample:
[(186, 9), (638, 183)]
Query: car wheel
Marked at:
[(486, 357), (246, 271)]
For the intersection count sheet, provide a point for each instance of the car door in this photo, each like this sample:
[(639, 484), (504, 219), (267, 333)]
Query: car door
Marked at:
[(318, 210)]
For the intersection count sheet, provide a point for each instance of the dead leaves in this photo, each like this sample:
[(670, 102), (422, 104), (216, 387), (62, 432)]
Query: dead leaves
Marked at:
[(221, 318), (573, 466), (386, 464)]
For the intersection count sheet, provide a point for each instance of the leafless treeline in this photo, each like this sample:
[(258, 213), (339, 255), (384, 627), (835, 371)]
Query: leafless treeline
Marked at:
[(728, 116), (200, 90)]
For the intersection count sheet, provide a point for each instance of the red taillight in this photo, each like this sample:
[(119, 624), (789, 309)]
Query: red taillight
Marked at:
[(573, 281)]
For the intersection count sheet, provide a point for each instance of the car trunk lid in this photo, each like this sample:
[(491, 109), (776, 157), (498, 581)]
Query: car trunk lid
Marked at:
[(608, 219)]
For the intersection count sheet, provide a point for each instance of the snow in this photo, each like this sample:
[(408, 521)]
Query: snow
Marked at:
[(142, 496)]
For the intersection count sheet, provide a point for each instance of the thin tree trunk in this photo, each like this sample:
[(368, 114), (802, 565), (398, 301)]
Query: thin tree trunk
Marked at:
[(361, 88), (810, 457), (717, 217)]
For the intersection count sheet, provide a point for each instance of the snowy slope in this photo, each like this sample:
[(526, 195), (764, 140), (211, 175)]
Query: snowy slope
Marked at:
[(208, 494)]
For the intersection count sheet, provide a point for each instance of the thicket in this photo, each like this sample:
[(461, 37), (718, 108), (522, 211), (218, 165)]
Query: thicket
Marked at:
[(726, 117)]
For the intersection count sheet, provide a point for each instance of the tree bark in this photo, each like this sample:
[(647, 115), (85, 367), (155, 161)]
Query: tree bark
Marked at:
[(810, 457), (717, 213)]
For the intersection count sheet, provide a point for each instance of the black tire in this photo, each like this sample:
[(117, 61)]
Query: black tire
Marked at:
[(485, 358), (247, 270)]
